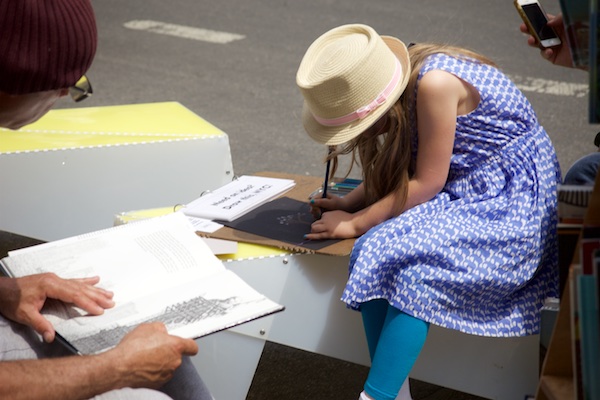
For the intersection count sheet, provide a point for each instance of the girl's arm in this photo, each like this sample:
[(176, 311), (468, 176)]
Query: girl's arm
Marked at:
[(440, 98)]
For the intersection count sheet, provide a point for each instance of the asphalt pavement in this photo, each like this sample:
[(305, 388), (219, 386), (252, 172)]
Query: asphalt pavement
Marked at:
[(246, 86)]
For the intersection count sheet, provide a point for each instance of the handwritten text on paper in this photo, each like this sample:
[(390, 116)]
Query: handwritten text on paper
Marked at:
[(240, 196)]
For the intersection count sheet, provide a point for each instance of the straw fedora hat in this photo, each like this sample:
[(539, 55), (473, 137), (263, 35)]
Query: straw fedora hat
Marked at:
[(349, 77)]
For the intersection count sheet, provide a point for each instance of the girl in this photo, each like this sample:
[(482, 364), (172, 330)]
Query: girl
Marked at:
[(456, 215)]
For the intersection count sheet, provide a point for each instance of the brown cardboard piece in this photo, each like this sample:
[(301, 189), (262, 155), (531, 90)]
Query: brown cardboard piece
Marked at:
[(305, 185)]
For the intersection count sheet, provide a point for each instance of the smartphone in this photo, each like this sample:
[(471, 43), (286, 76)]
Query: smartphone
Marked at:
[(537, 22)]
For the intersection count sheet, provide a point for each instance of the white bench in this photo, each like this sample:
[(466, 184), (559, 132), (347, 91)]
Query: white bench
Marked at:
[(316, 320)]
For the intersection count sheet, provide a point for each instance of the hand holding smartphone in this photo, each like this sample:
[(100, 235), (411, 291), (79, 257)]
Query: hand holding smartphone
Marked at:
[(537, 22)]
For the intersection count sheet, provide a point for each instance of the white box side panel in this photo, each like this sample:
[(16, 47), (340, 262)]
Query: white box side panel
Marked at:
[(54, 194)]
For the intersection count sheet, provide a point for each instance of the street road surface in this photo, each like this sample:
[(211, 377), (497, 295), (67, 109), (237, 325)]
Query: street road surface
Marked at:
[(234, 62)]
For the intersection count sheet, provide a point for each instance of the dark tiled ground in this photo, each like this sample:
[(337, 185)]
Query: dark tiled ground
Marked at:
[(292, 374)]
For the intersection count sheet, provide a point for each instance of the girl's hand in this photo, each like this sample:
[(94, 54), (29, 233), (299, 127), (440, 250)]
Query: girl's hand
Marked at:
[(318, 205), (333, 225)]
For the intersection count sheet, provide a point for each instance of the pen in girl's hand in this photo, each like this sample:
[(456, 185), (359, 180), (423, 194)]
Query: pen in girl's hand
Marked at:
[(326, 183)]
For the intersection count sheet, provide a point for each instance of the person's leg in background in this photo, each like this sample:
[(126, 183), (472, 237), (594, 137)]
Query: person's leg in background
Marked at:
[(395, 340), (186, 383), (584, 170)]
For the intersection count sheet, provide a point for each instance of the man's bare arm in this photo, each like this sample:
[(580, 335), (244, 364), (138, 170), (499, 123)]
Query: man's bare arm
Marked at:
[(147, 357)]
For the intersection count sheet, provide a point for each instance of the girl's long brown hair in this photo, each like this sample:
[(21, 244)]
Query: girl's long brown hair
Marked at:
[(386, 156)]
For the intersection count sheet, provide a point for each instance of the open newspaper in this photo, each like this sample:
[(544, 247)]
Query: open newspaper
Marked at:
[(158, 269)]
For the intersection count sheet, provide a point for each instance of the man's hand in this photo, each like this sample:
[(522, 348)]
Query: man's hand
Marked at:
[(557, 55), (21, 299), (148, 356)]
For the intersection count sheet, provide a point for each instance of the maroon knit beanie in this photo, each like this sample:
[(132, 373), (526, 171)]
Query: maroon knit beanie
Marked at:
[(45, 44)]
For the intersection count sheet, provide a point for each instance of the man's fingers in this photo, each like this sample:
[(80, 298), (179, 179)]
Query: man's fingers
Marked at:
[(90, 284), (190, 348), (92, 280), (523, 28), (159, 326), (42, 326), (81, 293), (547, 53), (185, 346)]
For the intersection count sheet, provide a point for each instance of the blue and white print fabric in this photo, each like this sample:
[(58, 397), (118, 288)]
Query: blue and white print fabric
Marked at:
[(481, 256)]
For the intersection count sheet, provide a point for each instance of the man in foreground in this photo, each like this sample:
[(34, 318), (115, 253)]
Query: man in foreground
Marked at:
[(45, 49)]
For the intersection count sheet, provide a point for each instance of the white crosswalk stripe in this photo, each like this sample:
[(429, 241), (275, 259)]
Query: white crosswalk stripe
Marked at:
[(547, 86), (182, 31)]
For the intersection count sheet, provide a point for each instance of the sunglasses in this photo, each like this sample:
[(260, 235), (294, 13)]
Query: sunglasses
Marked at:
[(81, 90)]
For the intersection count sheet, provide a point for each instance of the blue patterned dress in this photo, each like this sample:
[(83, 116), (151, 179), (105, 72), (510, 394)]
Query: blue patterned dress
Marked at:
[(481, 256)]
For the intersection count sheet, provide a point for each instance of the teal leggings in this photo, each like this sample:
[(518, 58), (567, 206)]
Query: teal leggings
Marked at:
[(395, 340)]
